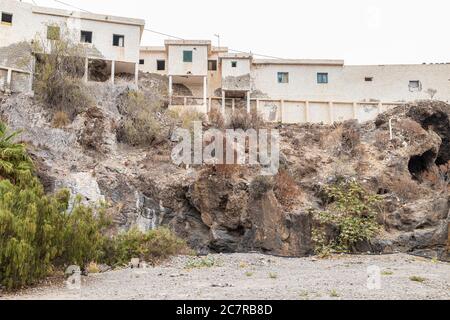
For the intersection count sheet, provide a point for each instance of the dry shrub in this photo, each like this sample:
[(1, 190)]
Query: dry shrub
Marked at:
[(382, 140), (343, 139), (139, 126), (286, 190), (60, 119), (410, 128), (240, 119), (216, 118), (401, 185), (59, 69), (227, 170)]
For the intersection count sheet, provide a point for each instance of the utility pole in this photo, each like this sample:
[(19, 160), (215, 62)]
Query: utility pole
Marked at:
[(218, 39)]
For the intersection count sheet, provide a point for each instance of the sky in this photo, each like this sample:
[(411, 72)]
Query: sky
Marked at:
[(358, 31)]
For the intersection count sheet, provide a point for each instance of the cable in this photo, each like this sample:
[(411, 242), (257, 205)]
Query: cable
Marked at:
[(179, 38), (69, 5)]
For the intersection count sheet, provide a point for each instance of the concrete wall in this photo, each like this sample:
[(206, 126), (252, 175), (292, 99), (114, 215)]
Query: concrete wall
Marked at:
[(28, 21), (198, 66), (236, 78), (347, 83), (150, 59)]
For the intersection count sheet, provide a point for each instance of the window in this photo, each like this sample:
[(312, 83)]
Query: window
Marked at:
[(234, 64), (415, 85), (212, 65), (368, 79), (86, 36), (322, 78), (187, 56), (53, 33), (160, 65), (7, 18), (141, 61), (118, 40), (283, 77)]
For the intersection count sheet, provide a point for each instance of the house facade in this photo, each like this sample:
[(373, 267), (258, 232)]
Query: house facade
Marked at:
[(291, 90), (113, 40)]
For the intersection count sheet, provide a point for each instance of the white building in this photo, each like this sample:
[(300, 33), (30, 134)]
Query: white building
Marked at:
[(291, 90), (115, 40)]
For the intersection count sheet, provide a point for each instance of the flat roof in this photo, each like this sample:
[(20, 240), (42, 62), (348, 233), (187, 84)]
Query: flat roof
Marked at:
[(187, 42), (323, 62), (88, 16), (236, 56), (153, 48)]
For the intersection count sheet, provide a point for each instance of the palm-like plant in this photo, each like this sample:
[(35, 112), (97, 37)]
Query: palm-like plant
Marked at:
[(15, 164)]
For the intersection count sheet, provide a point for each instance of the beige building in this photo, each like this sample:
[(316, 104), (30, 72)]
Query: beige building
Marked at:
[(114, 40)]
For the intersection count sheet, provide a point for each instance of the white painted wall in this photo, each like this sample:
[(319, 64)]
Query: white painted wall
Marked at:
[(29, 21), (242, 67), (150, 59), (198, 66), (347, 83)]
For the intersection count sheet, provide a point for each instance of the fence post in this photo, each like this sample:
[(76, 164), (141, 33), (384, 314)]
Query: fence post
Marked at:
[(330, 110), (8, 80), (380, 108), (281, 110), (355, 111), (306, 111)]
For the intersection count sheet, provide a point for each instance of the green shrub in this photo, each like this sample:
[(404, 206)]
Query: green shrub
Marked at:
[(15, 164), (31, 230), (153, 246), (36, 230), (83, 237), (352, 210)]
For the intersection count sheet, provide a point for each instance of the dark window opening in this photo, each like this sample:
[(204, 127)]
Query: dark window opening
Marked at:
[(86, 36), (322, 78), (53, 33), (187, 56), (368, 79), (141, 61), (160, 65), (234, 64), (212, 65), (7, 18), (415, 85), (283, 77), (118, 40)]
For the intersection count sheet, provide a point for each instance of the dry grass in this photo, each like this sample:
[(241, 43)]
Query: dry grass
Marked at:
[(401, 185), (240, 119), (60, 120), (216, 118)]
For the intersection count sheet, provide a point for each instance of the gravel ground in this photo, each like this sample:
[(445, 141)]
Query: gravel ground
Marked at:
[(259, 277)]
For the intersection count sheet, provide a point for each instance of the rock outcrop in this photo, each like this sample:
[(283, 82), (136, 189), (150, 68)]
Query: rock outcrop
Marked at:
[(221, 211)]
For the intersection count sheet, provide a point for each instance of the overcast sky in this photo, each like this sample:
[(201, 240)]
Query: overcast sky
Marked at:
[(358, 31)]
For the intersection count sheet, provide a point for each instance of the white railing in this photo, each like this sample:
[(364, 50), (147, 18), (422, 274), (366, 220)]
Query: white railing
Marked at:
[(291, 111)]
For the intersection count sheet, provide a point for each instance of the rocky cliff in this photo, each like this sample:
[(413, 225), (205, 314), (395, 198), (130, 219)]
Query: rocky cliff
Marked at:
[(234, 209)]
